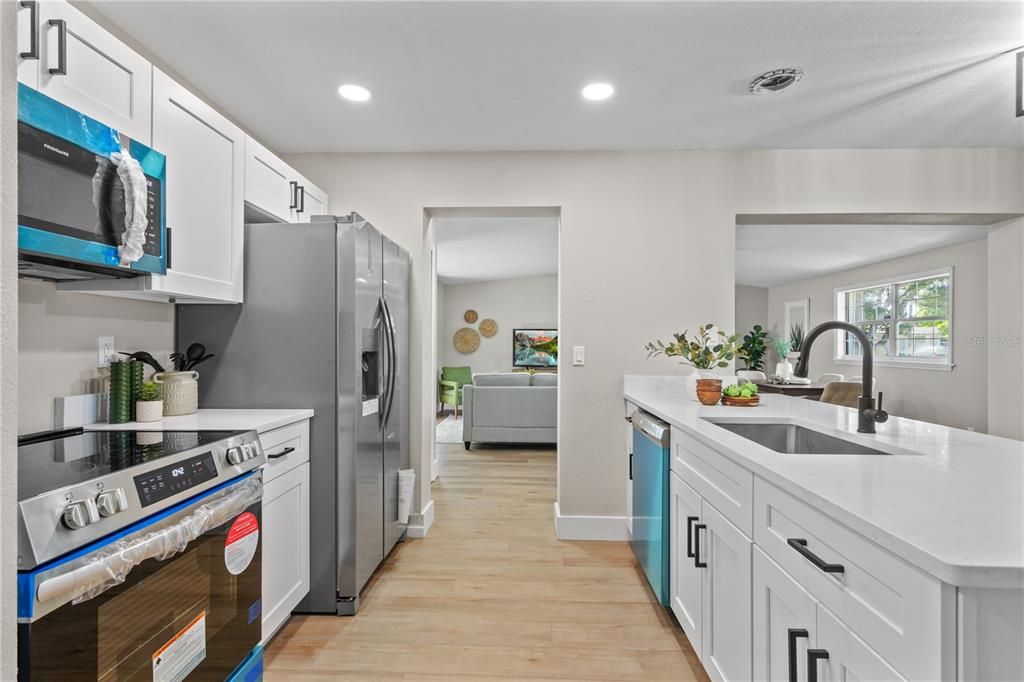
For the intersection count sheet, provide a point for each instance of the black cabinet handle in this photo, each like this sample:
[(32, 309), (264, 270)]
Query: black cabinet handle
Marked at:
[(294, 187), (167, 248), (279, 455), (794, 634), (62, 48), (813, 656), (800, 545), (697, 528), (300, 191), (33, 21), (689, 534), (631, 466)]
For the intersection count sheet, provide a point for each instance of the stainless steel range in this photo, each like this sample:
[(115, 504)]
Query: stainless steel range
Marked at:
[(146, 546)]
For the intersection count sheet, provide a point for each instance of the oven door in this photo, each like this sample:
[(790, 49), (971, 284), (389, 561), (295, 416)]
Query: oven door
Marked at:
[(71, 200), (177, 597)]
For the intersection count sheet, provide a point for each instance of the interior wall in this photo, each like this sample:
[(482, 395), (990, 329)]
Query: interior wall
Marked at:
[(58, 333), (8, 341), (1005, 340), (647, 246), (751, 308), (953, 398), (526, 302)]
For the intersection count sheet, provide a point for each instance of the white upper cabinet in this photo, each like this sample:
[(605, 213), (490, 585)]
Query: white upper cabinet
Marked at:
[(269, 182), (205, 166), (83, 66), (277, 189)]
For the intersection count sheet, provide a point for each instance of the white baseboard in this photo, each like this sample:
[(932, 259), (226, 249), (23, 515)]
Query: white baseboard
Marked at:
[(419, 524), (610, 528)]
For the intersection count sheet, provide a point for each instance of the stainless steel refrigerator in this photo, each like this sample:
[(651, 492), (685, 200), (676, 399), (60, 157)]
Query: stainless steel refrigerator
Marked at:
[(325, 324)]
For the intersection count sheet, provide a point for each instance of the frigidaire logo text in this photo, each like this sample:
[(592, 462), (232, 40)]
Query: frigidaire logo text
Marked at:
[(54, 149)]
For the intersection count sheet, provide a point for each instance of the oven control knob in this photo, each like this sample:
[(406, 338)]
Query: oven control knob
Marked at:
[(80, 513), (110, 502), (250, 450), (235, 455)]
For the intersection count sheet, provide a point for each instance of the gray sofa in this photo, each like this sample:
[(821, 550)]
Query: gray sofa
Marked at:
[(510, 408)]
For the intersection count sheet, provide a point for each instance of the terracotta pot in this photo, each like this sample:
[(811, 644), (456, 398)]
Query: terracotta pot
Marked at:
[(709, 391)]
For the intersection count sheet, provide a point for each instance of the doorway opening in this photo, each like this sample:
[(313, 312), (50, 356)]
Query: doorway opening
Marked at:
[(496, 322)]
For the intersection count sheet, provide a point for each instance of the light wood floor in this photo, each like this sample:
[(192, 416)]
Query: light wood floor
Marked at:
[(490, 594)]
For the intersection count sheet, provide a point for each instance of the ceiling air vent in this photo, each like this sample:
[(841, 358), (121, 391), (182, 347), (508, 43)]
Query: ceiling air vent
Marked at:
[(775, 80)]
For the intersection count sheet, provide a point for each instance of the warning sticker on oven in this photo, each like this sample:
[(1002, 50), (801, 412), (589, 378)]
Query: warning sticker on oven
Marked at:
[(370, 406), (242, 541), (182, 654)]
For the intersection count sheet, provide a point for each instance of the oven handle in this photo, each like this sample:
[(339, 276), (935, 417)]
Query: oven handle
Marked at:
[(110, 566)]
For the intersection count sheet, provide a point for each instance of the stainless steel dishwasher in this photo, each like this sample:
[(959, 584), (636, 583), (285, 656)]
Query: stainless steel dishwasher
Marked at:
[(650, 515)]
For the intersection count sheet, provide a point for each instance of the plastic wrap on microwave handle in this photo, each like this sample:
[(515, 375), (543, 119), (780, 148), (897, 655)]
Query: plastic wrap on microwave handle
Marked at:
[(136, 196), (111, 566)]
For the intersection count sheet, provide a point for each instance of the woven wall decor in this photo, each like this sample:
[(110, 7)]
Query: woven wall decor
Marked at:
[(470, 316), (488, 327), (466, 340)]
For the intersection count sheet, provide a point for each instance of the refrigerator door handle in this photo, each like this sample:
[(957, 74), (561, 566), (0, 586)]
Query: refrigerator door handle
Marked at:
[(385, 366), (392, 358)]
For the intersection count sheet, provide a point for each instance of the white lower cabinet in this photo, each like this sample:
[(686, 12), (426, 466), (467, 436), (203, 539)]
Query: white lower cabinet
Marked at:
[(285, 523), (710, 583), (841, 655), (784, 625)]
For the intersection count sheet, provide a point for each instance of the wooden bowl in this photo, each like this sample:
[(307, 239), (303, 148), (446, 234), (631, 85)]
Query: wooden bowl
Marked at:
[(753, 401), (709, 391)]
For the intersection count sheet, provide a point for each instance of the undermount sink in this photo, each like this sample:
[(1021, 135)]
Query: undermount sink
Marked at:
[(796, 440)]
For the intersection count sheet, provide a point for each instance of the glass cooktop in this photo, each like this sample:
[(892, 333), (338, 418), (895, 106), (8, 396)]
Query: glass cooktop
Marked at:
[(46, 465)]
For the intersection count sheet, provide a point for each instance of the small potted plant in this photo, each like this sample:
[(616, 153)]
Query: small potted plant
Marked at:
[(796, 341), (708, 349), (783, 368), (754, 348), (150, 405)]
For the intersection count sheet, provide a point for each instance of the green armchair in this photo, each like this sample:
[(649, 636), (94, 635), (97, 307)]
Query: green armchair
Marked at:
[(449, 388)]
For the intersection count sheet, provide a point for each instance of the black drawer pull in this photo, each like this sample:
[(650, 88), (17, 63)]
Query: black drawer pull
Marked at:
[(697, 528), (62, 48), (279, 455), (33, 21), (813, 656), (689, 534), (794, 634), (800, 545), (294, 190)]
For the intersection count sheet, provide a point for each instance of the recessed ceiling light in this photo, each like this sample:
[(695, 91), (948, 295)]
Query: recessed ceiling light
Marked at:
[(354, 93), (775, 80), (598, 91)]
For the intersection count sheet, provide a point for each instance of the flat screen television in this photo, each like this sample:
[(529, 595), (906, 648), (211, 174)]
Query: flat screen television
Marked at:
[(535, 348)]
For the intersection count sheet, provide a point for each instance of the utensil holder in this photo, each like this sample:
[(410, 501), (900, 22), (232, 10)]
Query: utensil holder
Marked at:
[(121, 398), (181, 392)]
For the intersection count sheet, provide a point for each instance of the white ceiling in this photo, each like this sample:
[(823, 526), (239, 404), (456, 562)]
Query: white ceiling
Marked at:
[(487, 76), (474, 249), (770, 255)]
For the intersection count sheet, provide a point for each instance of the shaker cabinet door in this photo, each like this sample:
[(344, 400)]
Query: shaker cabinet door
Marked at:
[(726, 646), (685, 578), (848, 656), (88, 69), (784, 623), (205, 167), (269, 182), (285, 546)]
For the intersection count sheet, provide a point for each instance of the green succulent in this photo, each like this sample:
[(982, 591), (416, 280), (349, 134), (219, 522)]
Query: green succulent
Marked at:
[(150, 391), (710, 348)]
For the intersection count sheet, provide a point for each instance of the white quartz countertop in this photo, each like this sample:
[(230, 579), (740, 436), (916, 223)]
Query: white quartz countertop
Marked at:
[(214, 420), (952, 504)]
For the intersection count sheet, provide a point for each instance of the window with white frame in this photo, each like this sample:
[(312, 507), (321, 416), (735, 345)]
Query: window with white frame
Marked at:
[(909, 320)]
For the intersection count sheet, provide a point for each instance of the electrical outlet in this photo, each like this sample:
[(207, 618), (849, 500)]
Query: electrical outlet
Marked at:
[(105, 353)]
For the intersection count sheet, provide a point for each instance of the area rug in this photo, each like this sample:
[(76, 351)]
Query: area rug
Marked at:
[(450, 430)]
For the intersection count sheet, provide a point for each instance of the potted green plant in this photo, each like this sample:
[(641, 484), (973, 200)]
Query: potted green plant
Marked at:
[(783, 368), (150, 405), (710, 348), (754, 348), (796, 340)]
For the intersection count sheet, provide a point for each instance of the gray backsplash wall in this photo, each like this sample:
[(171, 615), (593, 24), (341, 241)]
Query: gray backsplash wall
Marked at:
[(57, 334)]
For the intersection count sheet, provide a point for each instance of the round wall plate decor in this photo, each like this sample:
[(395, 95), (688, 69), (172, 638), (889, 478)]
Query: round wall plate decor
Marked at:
[(466, 340), (470, 316), (488, 327)]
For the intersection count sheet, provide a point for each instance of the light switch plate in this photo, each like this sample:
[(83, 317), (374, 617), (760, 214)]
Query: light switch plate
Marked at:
[(579, 356), (105, 353)]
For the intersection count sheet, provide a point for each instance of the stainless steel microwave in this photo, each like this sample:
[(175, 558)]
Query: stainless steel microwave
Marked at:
[(71, 200)]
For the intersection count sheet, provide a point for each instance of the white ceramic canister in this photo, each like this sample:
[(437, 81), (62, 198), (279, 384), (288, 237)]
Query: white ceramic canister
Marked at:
[(181, 392)]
